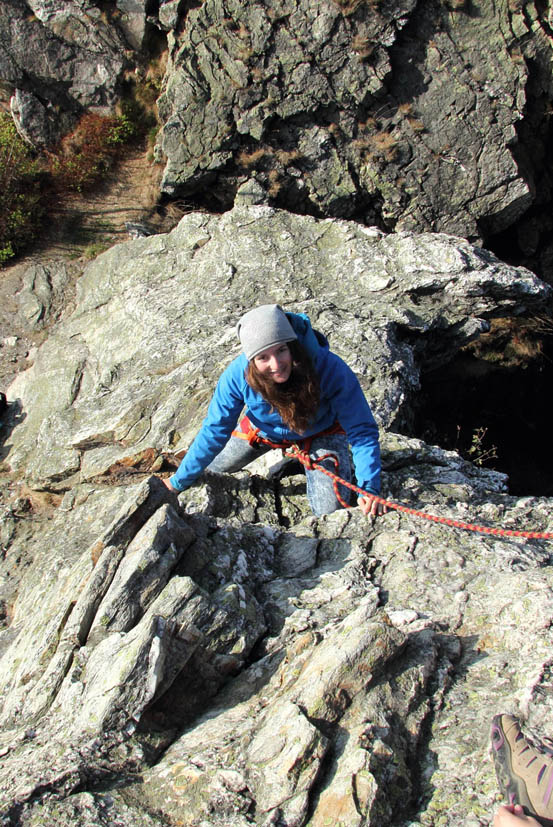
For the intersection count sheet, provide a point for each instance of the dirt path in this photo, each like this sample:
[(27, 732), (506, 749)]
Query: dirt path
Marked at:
[(98, 218), (79, 229)]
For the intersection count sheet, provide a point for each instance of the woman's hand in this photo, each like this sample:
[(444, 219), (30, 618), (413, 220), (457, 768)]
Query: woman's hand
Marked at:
[(370, 506), (511, 815)]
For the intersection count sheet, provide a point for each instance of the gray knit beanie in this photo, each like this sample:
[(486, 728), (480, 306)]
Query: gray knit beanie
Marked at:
[(264, 327)]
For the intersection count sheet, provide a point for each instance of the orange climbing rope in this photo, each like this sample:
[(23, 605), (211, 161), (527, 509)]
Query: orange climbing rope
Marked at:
[(293, 451), (305, 459)]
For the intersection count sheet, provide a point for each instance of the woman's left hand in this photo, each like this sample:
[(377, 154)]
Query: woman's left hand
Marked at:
[(371, 507)]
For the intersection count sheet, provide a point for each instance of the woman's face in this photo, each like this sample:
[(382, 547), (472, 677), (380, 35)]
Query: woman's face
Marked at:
[(275, 362)]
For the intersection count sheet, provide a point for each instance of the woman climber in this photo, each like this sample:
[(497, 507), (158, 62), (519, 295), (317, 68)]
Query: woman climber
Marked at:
[(295, 390)]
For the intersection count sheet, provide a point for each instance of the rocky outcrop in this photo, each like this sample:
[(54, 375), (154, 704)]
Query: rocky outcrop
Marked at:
[(223, 657), (57, 60), (118, 380), (335, 669), (389, 112)]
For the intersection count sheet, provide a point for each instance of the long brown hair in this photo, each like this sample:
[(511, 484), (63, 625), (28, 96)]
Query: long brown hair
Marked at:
[(296, 400)]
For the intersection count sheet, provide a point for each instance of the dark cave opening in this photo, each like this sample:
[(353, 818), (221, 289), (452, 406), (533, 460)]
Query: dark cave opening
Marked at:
[(492, 404)]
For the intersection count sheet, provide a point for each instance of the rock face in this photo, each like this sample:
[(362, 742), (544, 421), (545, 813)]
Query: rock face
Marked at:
[(225, 658), (118, 380), (41, 293), (390, 112), (58, 60), (331, 670)]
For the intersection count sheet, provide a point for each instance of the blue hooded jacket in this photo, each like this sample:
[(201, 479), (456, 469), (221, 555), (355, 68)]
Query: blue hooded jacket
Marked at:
[(341, 399)]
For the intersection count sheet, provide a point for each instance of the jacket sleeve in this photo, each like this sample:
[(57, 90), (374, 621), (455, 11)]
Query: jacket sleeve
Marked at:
[(341, 387), (222, 414)]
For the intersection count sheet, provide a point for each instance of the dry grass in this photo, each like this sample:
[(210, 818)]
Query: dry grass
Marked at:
[(348, 7), (405, 109), (85, 155), (514, 342), (288, 156), (416, 124), (251, 159), (376, 144), (147, 88), (362, 46), (385, 144), (275, 185), (368, 124)]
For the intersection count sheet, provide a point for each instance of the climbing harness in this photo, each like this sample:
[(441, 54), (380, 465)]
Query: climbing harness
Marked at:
[(300, 452), (252, 435)]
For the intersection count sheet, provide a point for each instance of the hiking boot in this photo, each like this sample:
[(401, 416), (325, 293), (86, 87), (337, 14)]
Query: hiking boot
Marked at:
[(524, 770)]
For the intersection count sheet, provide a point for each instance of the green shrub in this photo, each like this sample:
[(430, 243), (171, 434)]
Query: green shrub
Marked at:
[(20, 197), (81, 159), (93, 250)]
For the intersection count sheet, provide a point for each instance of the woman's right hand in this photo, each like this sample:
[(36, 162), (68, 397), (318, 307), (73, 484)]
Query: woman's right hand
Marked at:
[(371, 507), (167, 484)]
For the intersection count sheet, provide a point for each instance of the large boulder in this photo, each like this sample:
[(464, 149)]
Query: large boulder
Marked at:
[(223, 657), (57, 60), (127, 376)]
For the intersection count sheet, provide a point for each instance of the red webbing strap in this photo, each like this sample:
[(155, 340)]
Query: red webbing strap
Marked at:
[(248, 431)]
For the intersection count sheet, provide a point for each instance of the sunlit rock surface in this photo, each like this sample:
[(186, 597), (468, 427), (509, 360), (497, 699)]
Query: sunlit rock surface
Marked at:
[(223, 657), (132, 368), (354, 681)]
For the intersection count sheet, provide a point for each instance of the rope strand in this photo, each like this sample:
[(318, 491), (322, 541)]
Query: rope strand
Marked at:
[(296, 452)]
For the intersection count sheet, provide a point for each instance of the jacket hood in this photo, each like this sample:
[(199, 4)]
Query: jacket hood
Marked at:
[(313, 341)]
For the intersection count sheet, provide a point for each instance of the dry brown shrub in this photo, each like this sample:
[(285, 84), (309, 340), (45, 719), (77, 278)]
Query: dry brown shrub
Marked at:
[(275, 185), (348, 7), (250, 159), (287, 156), (416, 124), (86, 154), (385, 144), (362, 46)]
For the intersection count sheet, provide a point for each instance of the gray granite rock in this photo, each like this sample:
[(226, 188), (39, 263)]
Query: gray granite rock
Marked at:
[(380, 656), (61, 57), (41, 293), (389, 111)]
